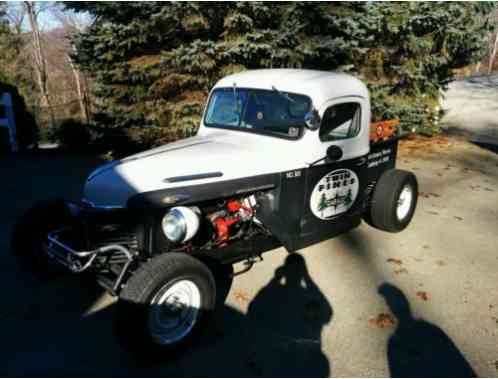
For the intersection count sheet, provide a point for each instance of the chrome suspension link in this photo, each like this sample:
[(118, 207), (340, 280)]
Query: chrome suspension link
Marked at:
[(72, 259)]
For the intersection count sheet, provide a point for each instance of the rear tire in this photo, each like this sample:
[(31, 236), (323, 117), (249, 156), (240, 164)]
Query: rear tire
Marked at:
[(30, 232), (394, 201), (165, 304)]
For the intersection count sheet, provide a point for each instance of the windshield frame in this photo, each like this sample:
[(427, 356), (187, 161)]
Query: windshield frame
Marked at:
[(255, 131)]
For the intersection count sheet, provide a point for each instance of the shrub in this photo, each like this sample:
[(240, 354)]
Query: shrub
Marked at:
[(71, 134)]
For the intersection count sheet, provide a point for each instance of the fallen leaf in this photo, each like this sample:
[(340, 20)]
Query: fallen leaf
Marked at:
[(440, 262), (428, 195), (242, 296), (426, 247), (395, 261), (423, 295), (401, 271), (382, 321), (458, 218)]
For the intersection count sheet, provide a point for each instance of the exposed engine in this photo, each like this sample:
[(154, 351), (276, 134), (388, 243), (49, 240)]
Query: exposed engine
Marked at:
[(229, 218), (212, 225)]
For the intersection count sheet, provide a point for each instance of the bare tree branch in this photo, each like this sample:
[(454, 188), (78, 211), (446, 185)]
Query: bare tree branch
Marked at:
[(493, 54), (39, 57), (15, 13)]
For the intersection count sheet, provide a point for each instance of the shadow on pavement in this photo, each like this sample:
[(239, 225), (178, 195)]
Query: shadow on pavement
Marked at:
[(419, 348), (487, 146), (279, 337), (289, 314)]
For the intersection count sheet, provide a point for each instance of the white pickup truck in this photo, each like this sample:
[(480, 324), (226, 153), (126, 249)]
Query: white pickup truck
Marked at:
[(282, 158)]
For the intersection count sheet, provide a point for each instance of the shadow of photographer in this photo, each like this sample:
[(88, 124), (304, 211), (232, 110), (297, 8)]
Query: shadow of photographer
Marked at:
[(419, 348), (287, 317)]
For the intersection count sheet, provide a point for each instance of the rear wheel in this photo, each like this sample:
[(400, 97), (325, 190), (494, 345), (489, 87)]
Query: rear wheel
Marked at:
[(29, 235), (164, 304), (394, 201)]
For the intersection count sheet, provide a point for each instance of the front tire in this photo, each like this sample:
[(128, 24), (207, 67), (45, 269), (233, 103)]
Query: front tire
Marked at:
[(394, 201), (164, 304)]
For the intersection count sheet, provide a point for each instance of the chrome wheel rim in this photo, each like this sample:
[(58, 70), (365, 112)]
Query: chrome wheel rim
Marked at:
[(174, 312), (404, 202)]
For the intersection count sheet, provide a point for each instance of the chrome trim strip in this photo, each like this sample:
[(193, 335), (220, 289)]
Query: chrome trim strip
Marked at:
[(99, 170), (165, 150), (101, 207), (185, 178), (252, 189)]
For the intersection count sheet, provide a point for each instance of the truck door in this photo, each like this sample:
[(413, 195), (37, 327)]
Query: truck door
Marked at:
[(334, 188)]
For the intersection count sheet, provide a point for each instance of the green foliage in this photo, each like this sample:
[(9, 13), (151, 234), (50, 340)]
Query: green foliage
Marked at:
[(154, 63), (71, 134)]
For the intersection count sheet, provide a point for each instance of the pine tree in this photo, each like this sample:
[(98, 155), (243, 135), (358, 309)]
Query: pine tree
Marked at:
[(323, 204), (349, 197), (154, 63)]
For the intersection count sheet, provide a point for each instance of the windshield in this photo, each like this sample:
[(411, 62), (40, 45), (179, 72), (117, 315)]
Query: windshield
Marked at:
[(261, 111)]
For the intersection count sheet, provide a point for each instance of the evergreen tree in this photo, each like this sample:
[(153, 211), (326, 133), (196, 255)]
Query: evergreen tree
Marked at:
[(154, 63), (323, 204), (349, 197)]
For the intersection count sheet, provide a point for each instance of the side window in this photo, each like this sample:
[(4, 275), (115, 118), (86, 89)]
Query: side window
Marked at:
[(341, 121)]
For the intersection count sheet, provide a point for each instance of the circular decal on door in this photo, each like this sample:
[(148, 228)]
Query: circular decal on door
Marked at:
[(334, 194)]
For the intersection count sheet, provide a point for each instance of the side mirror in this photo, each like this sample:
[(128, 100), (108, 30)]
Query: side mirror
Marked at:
[(334, 153), (312, 120)]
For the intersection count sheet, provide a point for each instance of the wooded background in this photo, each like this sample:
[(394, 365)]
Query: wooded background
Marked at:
[(137, 74)]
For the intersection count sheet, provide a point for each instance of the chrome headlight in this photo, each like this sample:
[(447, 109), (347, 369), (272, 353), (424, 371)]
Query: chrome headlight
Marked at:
[(180, 224)]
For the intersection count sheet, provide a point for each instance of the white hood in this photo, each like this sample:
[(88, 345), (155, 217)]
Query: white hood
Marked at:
[(225, 154)]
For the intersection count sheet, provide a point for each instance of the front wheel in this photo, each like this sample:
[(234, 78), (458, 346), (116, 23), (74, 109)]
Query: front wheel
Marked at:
[(394, 201), (164, 304)]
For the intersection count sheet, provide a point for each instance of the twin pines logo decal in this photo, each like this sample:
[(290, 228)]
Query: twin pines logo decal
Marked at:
[(334, 194)]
